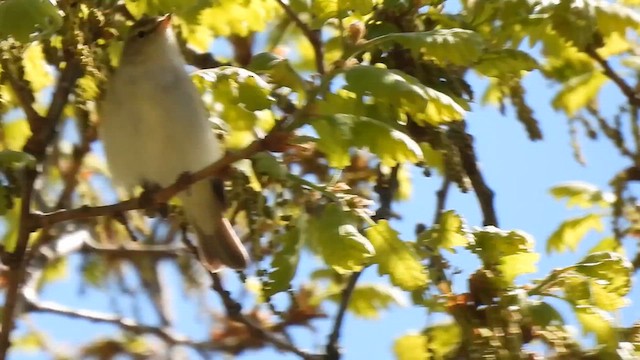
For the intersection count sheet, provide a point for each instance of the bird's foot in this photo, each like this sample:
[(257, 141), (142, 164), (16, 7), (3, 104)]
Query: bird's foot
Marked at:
[(148, 201)]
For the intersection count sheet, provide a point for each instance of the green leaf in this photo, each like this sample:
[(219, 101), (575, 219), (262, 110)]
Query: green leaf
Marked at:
[(323, 10), (238, 86), (284, 263), (338, 241), (16, 133), (597, 322), (447, 234), (611, 270), (505, 63), (396, 258), (12, 221), (267, 164), (26, 19), (31, 341), (607, 244), (579, 92), (239, 17), (10, 159), (35, 67), (615, 17), (280, 71), (442, 339), (493, 244), (517, 264), (572, 231), (411, 347), (397, 89), (54, 271), (582, 194), (543, 314), (447, 46), (367, 300), (339, 133)]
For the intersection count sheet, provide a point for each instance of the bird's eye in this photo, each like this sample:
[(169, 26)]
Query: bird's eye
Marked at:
[(140, 34)]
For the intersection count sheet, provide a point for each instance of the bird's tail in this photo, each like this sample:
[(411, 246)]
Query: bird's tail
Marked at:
[(218, 243)]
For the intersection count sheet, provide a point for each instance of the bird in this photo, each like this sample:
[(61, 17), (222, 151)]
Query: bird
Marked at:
[(154, 128)]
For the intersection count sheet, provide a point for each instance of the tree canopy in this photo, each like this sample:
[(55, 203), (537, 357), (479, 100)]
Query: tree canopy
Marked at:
[(332, 112)]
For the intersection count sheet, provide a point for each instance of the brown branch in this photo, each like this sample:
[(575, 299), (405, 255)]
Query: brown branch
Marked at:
[(441, 196), (36, 146), (24, 95), (312, 35), (234, 311), (42, 136), (332, 348), (626, 89), (158, 197), (485, 195), (125, 323), (17, 266)]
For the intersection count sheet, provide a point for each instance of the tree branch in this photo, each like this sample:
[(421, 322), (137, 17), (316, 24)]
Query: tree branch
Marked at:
[(158, 197), (485, 195), (312, 35), (441, 195), (36, 146), (332, 348), (611, 74), (234, 311)]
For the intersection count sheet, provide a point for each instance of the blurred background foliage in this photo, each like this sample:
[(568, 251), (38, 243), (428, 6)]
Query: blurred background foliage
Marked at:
[(366, 91)]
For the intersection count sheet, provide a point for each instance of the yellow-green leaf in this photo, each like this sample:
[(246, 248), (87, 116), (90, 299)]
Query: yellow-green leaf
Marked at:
[(405, 92), (447, 46), (23, 19), (339, 133), (505, 63), (284, 263), (367, 300), (411, 347), (582, 194), (597, 322), (16, 133), (578, 92), (447, 234), (396, 258), (517, 264), (571, 232), (338, 241)]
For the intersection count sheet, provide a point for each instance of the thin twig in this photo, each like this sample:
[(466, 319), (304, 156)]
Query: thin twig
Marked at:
[(626, 89), (441, 196), (332, 348), (234, 311), (23, 94), (159, 197), (312, 35)]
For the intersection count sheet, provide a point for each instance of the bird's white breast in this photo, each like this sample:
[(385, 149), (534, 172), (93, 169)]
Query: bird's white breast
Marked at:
[(154, 128)]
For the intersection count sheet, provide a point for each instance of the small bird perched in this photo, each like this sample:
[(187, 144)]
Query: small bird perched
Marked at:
[(154, 127)]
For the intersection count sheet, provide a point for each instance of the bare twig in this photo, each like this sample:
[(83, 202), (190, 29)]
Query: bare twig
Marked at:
[(158, 197), (332, 349), (234, 311), (312, 35), (626, 89), (441, 195)]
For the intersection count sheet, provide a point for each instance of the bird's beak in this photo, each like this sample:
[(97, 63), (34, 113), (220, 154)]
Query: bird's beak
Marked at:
[(165, 22)]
